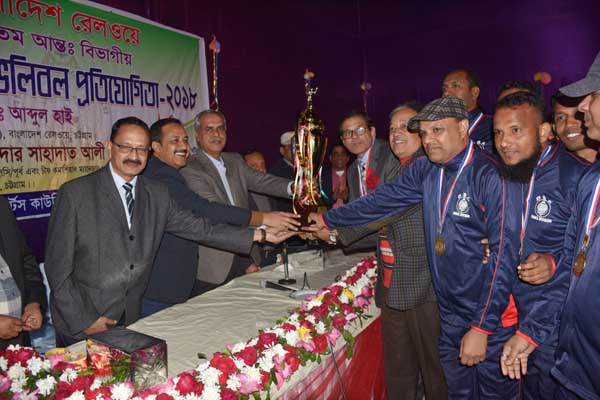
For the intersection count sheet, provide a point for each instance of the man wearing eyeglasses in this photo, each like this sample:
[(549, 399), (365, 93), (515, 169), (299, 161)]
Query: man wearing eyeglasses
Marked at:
[(104, 232), (225, 178), (374, 162)]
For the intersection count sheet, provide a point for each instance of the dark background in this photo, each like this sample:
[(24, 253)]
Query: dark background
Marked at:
[(403, 48)]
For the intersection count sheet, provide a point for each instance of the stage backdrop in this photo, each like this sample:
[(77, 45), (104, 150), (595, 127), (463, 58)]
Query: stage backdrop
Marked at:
[(68, 70)]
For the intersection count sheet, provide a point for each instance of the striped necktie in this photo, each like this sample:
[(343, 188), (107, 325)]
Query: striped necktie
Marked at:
[(129, 198), (362, 166)]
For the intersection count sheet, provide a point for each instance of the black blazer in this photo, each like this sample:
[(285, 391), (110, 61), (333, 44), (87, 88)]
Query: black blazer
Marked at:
[(166, 286), (22, 263)]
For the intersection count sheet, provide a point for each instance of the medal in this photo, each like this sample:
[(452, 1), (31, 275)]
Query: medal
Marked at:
[(579, 264), (440, 246), (525, 213)]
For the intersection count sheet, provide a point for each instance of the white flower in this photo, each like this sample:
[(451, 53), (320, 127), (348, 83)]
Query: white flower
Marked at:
[(292, 337), (18, 384), (238, 347), (16, 372), (253, 373), (13, 347), (293, 319), (96, 384), (35, 365), (266, 363), (46, 385), (311, 318), (200, 368), (313, 303), (233, 383), (320, 327), (278, 350), (3, 364), (344, 298), (68, 375), (239, 363), (122, 391), (280, 332), (253, 341), (210, 376), (212, 392), (77, 395)]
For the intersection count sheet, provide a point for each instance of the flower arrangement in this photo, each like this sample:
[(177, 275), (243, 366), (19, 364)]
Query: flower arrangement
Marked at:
[(246, 370)]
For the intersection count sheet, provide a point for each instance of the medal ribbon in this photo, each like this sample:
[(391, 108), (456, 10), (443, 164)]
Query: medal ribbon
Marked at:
[(475, 123), (590, 222), (525, 214), (465, 161)]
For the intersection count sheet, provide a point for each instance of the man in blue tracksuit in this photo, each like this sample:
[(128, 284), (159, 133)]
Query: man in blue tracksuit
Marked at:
[(577, 365), (463, 198), (541, 180)]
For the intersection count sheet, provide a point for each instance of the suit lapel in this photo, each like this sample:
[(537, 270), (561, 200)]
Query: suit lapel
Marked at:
[(233, 178), (212, 170), (108, 188)]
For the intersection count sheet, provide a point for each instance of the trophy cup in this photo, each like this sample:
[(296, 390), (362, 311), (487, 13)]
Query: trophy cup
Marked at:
[(309, 146)]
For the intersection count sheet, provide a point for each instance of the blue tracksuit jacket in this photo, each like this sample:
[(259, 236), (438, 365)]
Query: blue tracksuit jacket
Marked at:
[(470, 294), (578, 354)]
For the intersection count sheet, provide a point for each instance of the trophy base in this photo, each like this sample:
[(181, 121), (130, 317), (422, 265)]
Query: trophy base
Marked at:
[(288, 281), (305, 210)]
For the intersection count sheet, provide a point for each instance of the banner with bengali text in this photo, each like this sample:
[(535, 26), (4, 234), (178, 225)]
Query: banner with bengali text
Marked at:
[(68, 70)]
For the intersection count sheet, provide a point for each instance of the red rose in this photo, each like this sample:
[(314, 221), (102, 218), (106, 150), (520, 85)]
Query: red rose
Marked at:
[(249, 355), (339, 321), (361, 269), (292, 361), (266, 340), (335, 289), (188, 384), (307, 324), (316, 316), (164, 396), (223, 364), (288, 327), (264, 378), (24, 354), (226, 394), (347, 308), (103, 392), (372, 179), (320, 342), (82, 383), (323, 309)]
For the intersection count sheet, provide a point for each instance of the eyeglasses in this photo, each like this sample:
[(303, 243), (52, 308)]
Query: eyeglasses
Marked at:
[(124, 149), (347, 133)]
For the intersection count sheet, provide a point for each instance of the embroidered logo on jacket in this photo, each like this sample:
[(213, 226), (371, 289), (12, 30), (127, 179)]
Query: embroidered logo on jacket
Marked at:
[(461, 208), (543, 206)]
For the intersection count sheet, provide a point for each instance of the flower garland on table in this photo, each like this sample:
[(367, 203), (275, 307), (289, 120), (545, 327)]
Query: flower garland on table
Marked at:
[(244, 371)]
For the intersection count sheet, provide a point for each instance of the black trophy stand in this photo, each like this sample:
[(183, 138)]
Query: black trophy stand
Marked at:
[(286, 271)]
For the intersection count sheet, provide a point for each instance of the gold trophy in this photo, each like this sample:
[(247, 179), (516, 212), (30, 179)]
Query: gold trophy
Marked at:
[(309, 146)]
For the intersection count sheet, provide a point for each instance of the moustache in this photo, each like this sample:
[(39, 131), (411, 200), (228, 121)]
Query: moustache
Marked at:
[(130, 161)]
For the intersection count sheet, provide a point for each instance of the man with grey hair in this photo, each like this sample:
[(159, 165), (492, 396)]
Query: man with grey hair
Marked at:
[(226, 178)]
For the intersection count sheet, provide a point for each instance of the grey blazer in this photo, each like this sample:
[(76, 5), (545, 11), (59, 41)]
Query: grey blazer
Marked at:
[(97, 266), (203, 178)]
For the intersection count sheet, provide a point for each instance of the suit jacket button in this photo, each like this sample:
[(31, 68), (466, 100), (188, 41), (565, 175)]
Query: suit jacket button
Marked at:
[(131, 266), (131, 237)]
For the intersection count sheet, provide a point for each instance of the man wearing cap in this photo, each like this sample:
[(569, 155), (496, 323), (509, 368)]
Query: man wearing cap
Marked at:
[(463, 198), (465, 84), (578, 355), (542, 179)]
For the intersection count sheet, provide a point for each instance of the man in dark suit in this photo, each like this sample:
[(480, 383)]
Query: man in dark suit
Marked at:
[(22, 293), (284, 168), (224, 177), (170, 153), (104, 232), (374, 165)]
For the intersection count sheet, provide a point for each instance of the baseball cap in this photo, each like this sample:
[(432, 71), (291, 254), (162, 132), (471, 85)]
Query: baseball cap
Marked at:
[(444, 107), (587, 85)]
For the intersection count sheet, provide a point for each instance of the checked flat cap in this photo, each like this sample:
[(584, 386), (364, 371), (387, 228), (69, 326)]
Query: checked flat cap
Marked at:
[(444, 107), (587, 85)]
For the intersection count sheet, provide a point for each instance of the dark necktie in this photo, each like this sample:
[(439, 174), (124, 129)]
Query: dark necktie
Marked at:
[(129, 198)]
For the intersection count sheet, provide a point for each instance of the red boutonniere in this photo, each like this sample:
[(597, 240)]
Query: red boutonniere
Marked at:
[(372, 179)]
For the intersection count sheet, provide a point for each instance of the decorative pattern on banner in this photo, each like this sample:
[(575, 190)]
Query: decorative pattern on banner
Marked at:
[(67, 72)]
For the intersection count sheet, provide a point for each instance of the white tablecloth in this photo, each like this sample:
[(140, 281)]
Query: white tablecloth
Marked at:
[(235, 312)]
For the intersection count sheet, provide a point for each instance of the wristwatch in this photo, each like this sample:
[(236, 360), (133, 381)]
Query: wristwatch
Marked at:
[(333, 236)]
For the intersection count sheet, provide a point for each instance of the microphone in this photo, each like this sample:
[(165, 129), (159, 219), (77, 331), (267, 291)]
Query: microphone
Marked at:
[(273, 285)]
